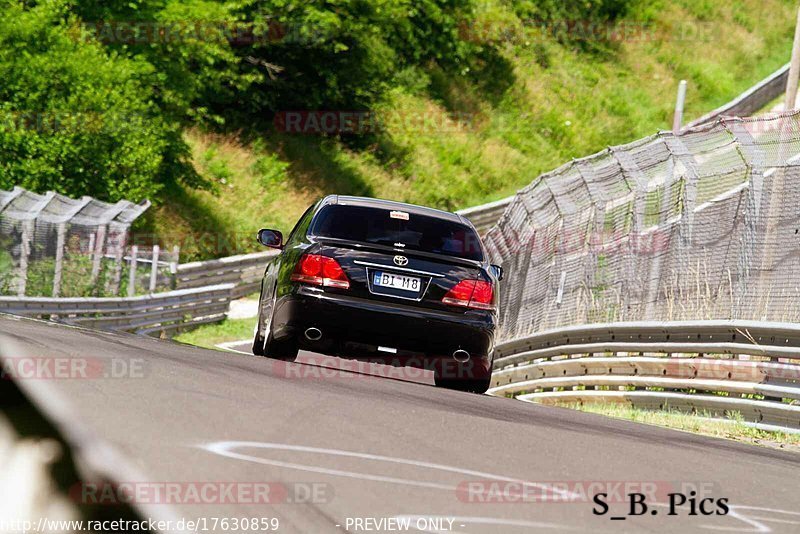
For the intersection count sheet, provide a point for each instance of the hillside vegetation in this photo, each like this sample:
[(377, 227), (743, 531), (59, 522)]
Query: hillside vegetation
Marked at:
[(459, 102)]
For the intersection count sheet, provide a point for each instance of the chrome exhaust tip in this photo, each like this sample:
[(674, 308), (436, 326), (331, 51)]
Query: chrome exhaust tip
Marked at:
[(461, 356), (313, 334)]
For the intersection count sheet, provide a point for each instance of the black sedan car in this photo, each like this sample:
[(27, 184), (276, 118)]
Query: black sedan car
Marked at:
[(382, 281)]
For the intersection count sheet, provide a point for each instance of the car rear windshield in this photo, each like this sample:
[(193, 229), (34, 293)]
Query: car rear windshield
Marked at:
[(397, 229)]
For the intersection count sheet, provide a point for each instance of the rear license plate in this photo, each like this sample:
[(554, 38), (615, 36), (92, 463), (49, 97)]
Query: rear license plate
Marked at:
[(396, 281)]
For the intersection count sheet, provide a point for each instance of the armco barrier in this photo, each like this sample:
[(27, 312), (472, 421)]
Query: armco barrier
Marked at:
[(485, 216), (146, 314), (718, 367), (751, 101), (244, 271)]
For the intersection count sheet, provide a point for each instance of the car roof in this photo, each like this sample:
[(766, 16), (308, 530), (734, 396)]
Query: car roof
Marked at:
[(393, 205)]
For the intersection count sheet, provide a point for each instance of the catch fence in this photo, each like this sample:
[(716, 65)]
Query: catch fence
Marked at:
[(53, 245), (701, 225)]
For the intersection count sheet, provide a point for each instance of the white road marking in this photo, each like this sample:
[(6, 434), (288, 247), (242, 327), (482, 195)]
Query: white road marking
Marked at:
[(228, 345), (754, 521), (225, 448)]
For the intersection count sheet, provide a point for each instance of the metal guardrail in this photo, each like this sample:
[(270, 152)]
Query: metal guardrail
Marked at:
[(203, 295), (245, 271), (719, 367), (749, 102), (485, 216), (146, 314)]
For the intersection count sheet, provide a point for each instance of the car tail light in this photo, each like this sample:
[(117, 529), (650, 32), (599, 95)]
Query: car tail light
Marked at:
[(320, 271), (471, 294)]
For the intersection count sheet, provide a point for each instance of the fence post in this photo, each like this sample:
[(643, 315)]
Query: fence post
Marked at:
[(750, 243), (154, 269), (132, 272), (677, 119), (173, 267), (60, 242), (24, 253), (630, 169), (113, 287), (794, 69), (97, 257), (681, 154), (594, 243)]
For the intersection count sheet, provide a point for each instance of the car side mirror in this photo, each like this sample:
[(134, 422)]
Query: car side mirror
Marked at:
[(270, 238), (497, 270)]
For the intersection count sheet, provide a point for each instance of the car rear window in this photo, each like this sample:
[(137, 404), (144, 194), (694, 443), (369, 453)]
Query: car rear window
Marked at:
[(397, 228)]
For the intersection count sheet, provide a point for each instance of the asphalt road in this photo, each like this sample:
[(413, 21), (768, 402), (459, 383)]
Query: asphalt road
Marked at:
[(378, 453)]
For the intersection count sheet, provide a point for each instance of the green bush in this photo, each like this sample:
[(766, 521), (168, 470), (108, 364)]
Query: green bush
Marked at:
[(77, 118), (345, 54)]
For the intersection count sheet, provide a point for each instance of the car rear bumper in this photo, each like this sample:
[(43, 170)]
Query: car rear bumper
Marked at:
[(345, 321)]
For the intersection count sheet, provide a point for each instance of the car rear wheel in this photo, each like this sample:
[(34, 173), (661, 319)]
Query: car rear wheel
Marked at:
[(471, 385), (285, 350), (258, 339), (258, 345)]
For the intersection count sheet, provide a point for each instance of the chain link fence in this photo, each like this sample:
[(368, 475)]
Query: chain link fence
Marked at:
[(52, 245), (702, 225)]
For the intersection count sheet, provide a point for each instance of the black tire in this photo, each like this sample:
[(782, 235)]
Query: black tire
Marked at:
[(285, 350), (258, 339), (470, 385), (473, 376), (258, 345)]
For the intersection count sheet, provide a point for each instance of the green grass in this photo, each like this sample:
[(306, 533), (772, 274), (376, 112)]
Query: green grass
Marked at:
[(696, 423), (535, 107), (211, 335)]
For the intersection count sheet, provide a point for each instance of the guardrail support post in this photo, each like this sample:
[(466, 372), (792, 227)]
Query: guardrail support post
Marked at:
[(132, 272)]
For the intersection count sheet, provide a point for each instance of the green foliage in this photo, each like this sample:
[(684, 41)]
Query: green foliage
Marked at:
[(100, 96), (99, 91), (270, 170), (560, 11), (74, 117), (344, 54), (6, 266), (189, 43)]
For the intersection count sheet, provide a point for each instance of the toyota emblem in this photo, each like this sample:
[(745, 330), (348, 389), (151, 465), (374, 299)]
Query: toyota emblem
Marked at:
[(400, 260)]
